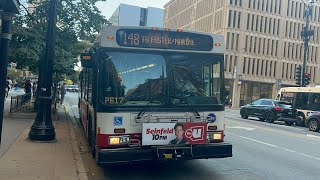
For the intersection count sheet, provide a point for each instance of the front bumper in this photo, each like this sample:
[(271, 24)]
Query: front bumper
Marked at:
[(197, 151)]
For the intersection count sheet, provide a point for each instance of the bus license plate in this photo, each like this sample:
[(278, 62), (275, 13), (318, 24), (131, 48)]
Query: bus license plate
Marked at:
[(290, 112)]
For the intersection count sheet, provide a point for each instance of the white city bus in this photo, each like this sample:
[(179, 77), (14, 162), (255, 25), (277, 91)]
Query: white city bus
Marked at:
[(154, 94), (305, 99)]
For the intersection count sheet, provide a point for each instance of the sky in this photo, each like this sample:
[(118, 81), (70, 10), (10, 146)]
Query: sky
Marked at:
[(109, 6)]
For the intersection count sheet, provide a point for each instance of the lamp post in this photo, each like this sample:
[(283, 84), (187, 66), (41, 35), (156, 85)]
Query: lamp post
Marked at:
[(42, 128), (5, 37)]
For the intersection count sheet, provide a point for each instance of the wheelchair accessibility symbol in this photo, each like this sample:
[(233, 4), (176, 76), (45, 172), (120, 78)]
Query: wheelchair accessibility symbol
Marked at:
[(117, 121)]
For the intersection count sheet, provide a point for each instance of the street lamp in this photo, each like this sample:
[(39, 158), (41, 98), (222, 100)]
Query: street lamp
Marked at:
[(42, 128)]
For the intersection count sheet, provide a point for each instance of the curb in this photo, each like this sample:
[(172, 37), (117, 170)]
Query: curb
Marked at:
[(81, 171)]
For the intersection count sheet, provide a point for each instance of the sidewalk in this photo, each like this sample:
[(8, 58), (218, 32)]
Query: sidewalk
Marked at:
[(55, 161)]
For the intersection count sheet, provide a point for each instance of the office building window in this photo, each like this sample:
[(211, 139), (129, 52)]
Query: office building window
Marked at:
[(261, 70), (267, 5), (278, 27), (257, 69), (258, 5), (261, 19), (274, 26), (254, 4), (290, 27), (263, 45), (294, 30), (249, 59), (249, 4), (229, 18), (276, 53), (250, 48), (252, 21), (272, 43), (292, 4), (265, 24), (240, 2), (271, 4), (239, 19), (262, 7), (283, 70), (296, 12), (231, 1), (255, 43), (275, 69), (259, 41), (246, 44), (270, 69), (257, 21), (286, 31), (244, 65), (253, 66), (279, 9), (227, 43), (232, 41), (230, 64), (266, 72), (226, 62), (234, 18), (270, 20), (284, 49), (288, 8), (300, 10), (248, 21), (237, 42), (268, 45)]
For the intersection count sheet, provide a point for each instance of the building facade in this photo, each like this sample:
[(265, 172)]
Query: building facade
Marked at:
[(263, 41), (128, 15)]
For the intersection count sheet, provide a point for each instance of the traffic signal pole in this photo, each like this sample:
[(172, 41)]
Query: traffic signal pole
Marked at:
[(306, 36)]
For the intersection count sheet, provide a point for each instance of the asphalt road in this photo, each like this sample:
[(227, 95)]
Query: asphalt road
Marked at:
[(260, 151)]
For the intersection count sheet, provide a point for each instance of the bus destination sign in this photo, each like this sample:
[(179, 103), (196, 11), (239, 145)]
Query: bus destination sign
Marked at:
[(144, 38)]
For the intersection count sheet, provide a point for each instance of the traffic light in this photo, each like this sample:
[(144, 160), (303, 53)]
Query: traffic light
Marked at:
[(307, 78), (298, 75)]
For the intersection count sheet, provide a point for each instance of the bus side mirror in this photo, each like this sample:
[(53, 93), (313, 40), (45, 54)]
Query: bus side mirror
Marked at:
[(87, 60)]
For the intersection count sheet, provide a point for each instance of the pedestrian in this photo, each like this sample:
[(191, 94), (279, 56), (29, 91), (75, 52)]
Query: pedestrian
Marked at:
[(230, 102), (63, 92), (34, 88), (7, 87), (27, 89)]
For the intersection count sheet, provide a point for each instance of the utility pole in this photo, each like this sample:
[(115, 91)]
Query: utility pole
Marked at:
[(42, 128), (306, 33)]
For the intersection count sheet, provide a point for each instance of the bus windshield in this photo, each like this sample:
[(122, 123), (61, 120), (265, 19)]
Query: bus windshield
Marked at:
[(159, 79)]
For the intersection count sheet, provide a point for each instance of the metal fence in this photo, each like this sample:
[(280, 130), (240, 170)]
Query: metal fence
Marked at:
[(21, 102)]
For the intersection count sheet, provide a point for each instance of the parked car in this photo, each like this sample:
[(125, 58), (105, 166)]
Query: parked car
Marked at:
[(270, 110), (72, 88), (313, 121)]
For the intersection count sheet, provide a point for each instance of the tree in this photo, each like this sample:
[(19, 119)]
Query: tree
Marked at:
[(77, 20)]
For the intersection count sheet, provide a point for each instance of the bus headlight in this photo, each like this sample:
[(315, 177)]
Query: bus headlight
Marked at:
[(116, 140)]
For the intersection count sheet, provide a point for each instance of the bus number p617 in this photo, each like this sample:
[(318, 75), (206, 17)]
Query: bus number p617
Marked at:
[(113, 100)]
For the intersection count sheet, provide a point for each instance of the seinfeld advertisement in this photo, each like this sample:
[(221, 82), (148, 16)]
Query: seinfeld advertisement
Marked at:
[(173, 133)]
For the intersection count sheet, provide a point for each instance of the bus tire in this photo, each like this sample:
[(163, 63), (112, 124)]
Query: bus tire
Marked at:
[(269, 117), (313, 125), (300, 120)]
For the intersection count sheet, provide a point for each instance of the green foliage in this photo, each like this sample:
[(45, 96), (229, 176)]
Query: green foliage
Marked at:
[(14, 74), (78, 22)]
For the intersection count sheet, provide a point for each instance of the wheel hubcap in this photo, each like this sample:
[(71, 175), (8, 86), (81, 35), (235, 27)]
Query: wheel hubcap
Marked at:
[(313, 125)]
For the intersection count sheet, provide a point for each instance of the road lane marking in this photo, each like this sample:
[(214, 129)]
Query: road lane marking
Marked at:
[(312, 136), (275, 146), (240, 127)]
